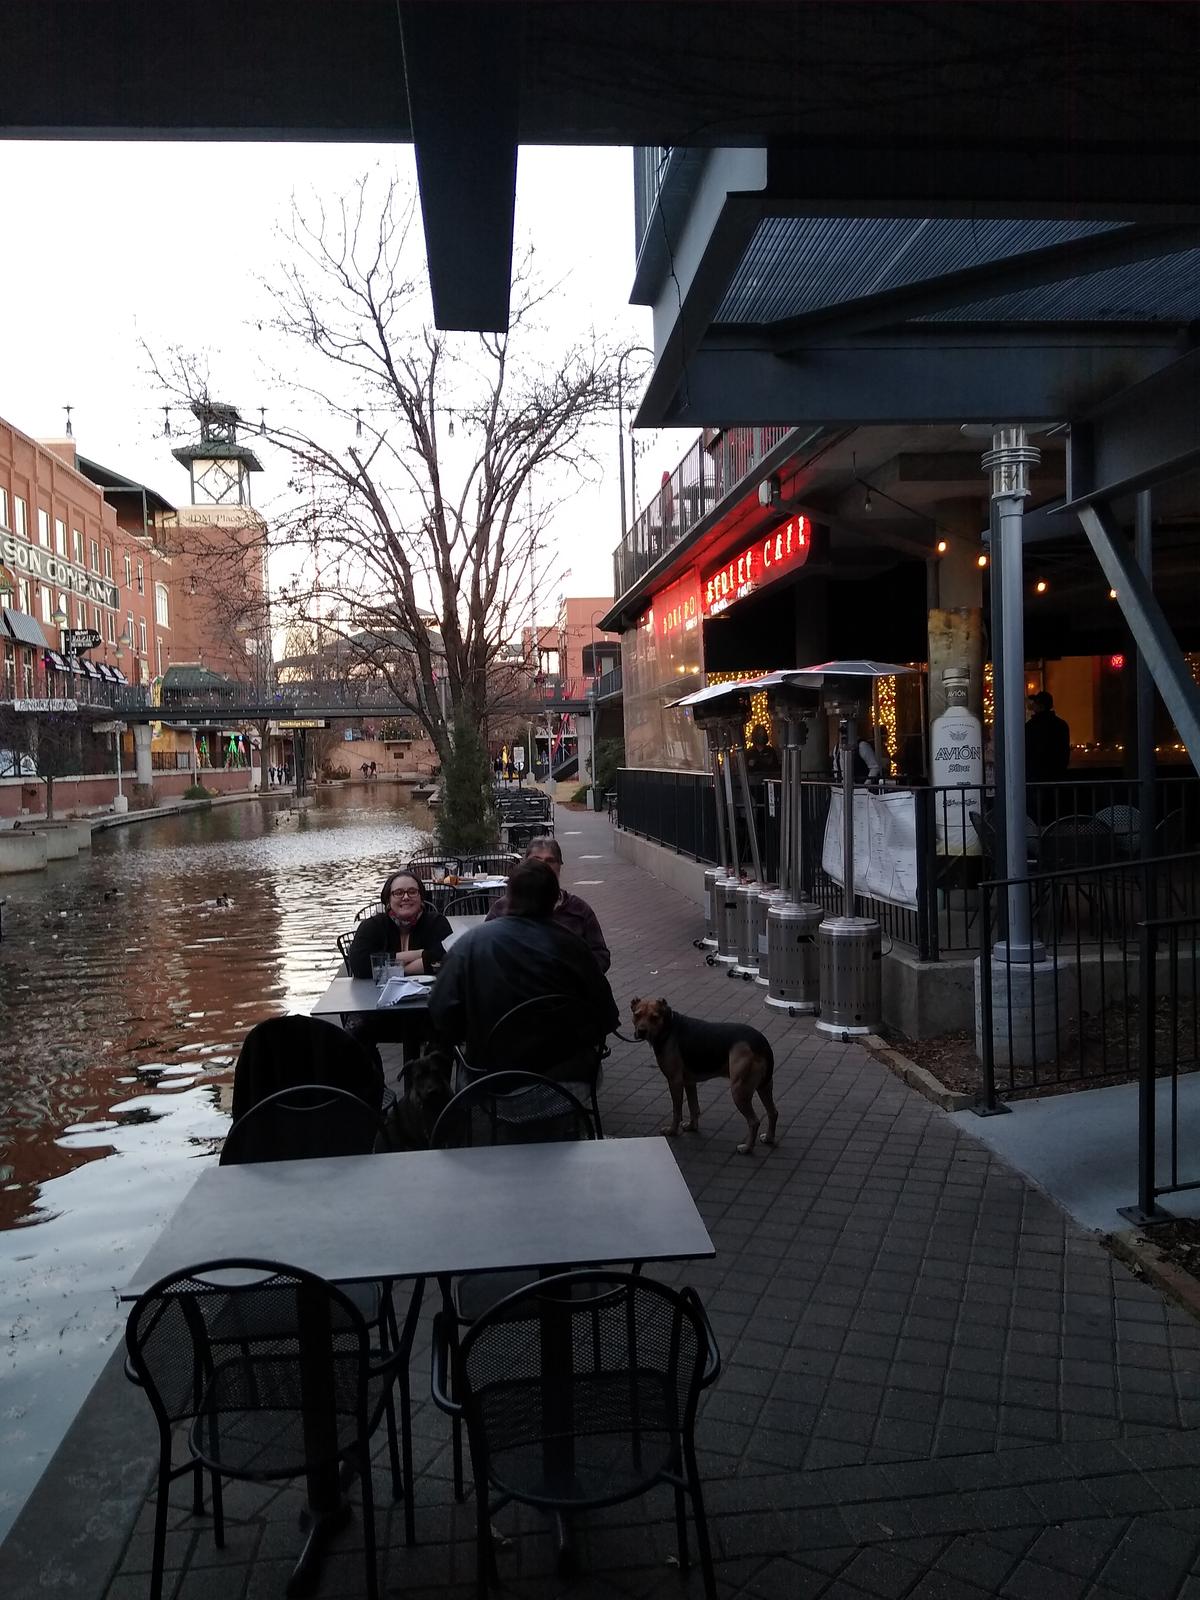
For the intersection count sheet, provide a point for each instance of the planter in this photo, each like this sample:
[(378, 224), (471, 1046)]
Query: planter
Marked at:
[(22, 850)]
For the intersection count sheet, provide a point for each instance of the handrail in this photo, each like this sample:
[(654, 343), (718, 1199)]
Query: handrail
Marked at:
[(707, 473)]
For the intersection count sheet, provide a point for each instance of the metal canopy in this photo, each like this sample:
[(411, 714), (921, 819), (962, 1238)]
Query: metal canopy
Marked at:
[(1086, 112)]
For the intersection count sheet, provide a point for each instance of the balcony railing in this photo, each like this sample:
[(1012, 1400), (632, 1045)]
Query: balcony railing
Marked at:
[(699, 483), (608, 683), (650, 164)]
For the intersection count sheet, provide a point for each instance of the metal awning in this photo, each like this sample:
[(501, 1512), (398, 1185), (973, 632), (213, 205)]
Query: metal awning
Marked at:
[(106, 672), (25, 629), (54, 660), (118, 675), (89, 667)]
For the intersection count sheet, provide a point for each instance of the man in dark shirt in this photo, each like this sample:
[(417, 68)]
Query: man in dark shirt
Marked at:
[(571, 911), (524, 955), (1047, 742)]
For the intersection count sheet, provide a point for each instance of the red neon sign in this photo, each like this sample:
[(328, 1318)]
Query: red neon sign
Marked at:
[(1116, 662), (782, 549)]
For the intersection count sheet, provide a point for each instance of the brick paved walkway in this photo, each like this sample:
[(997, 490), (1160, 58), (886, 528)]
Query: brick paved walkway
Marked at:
[(934, 1384)]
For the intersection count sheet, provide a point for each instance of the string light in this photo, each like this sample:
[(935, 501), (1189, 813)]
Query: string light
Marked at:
[(1041, 586), (989, 696), (885, 710), (760, 714), (981, 561), (1112, 594), (942, 547)]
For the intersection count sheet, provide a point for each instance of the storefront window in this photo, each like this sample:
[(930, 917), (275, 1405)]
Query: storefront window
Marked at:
[(662, 659)]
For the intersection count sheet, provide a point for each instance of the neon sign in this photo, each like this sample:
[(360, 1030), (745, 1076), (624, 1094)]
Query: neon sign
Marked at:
[(681, 617), (784, 548)]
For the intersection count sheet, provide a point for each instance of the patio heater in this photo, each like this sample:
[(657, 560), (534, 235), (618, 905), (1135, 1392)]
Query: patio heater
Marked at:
[(787, 926), (850, 948), (721, 711)]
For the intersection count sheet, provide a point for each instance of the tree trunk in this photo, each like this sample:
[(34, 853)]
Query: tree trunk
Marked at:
[(49, 799)]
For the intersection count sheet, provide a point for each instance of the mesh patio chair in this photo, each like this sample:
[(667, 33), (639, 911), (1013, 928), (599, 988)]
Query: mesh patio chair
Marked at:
[(577, 1392), (314, 1121), (1078, 844), (302, 1396), (369, 910), (285, 1052), (1126, 825), (546, 1035), (501, 1108), (473, 903), (344, 941)]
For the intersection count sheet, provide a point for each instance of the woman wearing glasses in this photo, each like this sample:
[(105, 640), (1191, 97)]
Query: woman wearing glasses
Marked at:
[(411, 932)]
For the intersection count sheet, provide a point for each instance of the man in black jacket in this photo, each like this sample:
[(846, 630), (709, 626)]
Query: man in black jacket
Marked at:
[(523, 956)]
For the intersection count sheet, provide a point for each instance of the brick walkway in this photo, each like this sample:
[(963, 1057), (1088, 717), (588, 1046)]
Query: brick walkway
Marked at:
[(934, 1384)]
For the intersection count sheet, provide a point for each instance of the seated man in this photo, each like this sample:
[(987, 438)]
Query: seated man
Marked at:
[(570, 911), (523, 956)]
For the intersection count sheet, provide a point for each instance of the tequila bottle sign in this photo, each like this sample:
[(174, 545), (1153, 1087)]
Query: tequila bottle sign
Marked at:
[(956, 768)]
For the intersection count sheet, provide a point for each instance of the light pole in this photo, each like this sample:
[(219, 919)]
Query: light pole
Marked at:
[(61, 621), (633, 349), (126, 640)]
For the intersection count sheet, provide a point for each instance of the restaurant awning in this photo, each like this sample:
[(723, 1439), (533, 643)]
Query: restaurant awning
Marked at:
[(25, 629), (106, 672), (53, 659), (118, 675)]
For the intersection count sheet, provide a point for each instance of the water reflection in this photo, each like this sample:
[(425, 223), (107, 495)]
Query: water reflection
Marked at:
[(126, 987)]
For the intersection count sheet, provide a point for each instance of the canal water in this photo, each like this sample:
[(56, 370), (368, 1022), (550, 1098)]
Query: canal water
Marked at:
[(128, 979)]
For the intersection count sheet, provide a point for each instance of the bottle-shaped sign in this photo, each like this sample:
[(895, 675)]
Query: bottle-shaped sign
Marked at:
[(956, 767)]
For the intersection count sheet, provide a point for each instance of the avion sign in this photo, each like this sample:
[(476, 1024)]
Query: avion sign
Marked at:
[(782, 550)]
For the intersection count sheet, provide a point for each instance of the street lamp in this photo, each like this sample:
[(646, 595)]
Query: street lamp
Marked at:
[(621, 359)]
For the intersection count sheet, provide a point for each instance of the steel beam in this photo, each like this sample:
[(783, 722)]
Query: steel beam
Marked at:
[(1145, 435), (1157, 645), (974, 375)]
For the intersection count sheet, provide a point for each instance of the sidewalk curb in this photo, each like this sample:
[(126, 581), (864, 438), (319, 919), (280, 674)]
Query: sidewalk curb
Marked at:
[(1140, 1253), (918, 1078)]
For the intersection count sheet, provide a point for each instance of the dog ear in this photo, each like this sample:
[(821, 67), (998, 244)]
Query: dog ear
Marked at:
[(634, 1002)]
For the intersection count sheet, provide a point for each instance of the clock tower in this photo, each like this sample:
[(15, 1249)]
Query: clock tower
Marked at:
[(218, 547), (218, 465)]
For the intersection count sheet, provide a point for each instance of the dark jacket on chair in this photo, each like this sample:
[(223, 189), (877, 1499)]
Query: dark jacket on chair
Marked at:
[(288, 1051), (428, 934), (511, 959)]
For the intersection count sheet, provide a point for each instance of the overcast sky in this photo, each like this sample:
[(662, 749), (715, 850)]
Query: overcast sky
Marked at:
[(107, 245)]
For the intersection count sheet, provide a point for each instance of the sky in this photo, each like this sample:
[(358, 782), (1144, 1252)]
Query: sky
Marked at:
[(113, 247)]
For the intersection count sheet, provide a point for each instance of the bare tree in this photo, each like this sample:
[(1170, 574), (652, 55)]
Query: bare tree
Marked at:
[(420, 501), (59, 744)]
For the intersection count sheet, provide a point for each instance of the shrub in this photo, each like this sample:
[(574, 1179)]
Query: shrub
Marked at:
[(610, 754), (466, 820), (197, 791), (579, 798)]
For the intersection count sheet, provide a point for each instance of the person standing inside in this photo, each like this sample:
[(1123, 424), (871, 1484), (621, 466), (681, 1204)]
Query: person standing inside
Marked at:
[(1047, 755)]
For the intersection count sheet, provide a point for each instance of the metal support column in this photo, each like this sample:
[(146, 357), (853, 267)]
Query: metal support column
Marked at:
[(848, 732), (1009, 461)]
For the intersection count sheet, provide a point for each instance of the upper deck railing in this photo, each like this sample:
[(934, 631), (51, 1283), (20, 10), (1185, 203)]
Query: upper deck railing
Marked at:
[(699, 483)]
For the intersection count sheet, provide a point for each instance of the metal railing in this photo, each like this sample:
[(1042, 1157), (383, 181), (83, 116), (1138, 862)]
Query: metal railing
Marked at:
[(608, 684), (1168, 1047), (1086, 823), (698, 484), (1068, 1009), (650, 163)]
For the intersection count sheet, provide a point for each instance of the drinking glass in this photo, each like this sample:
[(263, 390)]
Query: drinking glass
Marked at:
[(381, 967)]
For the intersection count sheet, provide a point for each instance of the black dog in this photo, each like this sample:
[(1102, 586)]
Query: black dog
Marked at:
[(426, 1093)]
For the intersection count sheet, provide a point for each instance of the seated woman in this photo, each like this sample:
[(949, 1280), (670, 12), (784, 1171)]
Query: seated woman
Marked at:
[(409, 930)]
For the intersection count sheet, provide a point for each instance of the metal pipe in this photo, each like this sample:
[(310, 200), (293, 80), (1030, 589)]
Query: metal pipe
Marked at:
[(731, 811), (848, 732), (719, 802), (786, 801), (1009, 461), (1143, 542), (738, 751)]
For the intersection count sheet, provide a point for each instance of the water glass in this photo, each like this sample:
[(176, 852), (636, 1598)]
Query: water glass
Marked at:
[(381, 967)]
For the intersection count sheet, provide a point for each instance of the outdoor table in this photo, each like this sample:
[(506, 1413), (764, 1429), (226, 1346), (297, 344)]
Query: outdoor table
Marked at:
[(358, 995), (492, 1208)]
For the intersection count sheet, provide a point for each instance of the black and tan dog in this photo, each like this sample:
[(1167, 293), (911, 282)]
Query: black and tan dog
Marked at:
[(688, 1051), (426, 1091)]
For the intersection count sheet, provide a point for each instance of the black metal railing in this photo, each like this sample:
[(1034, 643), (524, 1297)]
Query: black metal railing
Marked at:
[(1085, 823), (1066, 1006), (1168, 1048), (608, 684), (698, 484), (674, 809)]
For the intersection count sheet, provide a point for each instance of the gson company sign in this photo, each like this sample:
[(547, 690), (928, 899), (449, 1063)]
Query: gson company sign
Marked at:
[(782, 550), (39, 563)]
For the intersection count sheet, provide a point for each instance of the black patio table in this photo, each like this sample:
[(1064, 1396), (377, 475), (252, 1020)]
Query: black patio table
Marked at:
[(430, 1214)]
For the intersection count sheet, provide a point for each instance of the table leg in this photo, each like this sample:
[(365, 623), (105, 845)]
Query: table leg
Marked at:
[(327, 1510)]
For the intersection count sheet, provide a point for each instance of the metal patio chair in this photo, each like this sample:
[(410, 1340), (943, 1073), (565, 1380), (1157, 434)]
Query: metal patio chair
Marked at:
[(539, 1035), (303, 1395), (577, 1392), (500, 1108)]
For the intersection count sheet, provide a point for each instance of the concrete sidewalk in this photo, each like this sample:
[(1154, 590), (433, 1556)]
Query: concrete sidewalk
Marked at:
[(934, 1383)]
